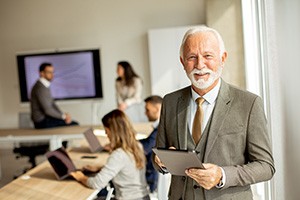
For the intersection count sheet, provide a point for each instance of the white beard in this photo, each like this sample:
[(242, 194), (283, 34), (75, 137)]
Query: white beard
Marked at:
[(204, 84)]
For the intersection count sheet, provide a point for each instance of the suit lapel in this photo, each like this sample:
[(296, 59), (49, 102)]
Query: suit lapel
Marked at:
[(220, 111), (183, 107)]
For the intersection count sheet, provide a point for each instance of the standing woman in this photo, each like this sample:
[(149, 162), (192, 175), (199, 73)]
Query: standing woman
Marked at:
[(126, 164), (128, 86)]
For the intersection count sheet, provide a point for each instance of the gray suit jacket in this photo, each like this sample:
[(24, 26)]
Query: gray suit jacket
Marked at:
[(237, 140), (42, 104)]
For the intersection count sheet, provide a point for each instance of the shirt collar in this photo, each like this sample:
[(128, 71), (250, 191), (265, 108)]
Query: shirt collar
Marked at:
[(45, 82), (155, 124), (211, 96)]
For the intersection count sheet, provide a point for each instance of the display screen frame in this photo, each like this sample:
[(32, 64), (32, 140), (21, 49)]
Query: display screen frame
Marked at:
[(77, 73)]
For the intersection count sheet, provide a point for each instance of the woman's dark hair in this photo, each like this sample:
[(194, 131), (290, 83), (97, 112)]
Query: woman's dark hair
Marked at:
[(128, 73)]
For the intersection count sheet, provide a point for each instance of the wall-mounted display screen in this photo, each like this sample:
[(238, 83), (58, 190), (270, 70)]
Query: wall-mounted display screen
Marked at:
[(77, 74)]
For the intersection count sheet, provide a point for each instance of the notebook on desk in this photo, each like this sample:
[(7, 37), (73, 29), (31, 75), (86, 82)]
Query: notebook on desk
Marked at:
[(93, 141), (61, 163)]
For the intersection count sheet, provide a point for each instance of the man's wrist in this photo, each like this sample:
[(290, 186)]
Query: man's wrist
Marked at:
[(222, 180)]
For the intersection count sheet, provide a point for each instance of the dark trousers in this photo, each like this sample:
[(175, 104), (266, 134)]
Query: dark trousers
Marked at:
[(50, 122)]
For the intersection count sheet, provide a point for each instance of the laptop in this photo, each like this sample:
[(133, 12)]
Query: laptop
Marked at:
[(93, 141), (61, 163)]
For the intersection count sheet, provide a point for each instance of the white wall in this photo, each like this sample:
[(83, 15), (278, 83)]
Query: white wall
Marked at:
[(225, 16), (167, 72), (119, 28), (287, 28)]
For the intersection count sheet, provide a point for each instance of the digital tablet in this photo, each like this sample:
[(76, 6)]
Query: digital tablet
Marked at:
[(177, 161)]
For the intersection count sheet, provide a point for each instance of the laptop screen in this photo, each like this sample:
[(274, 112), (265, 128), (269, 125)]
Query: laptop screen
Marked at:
[(93, 141), (60, 162)]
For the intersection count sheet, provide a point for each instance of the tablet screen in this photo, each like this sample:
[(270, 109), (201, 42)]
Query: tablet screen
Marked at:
[(177, 161)]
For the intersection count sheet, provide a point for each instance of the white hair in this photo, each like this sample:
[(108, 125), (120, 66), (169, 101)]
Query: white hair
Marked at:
[(203, 29)]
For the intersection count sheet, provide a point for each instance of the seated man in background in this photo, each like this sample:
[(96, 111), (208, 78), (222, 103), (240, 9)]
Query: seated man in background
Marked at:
[(44, 112), (152, 111)]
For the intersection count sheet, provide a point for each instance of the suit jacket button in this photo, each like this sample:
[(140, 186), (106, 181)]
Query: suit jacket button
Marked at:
[(183, 178), (196, 186)]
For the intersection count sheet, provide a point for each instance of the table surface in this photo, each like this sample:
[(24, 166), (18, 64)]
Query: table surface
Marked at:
[(66, 130), (41, 183)]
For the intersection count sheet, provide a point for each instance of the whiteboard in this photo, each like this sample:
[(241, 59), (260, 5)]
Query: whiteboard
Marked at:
[(166, 72)]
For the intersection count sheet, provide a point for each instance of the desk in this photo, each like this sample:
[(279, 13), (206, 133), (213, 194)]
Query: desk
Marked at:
[(42, 183), (56, 135)]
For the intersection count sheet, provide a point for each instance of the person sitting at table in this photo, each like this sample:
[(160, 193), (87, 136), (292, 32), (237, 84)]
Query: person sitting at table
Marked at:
[(125, 166), (44, 111), (152, 111)]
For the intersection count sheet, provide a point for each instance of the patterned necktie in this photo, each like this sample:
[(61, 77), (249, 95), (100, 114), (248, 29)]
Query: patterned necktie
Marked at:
[(196, 133)]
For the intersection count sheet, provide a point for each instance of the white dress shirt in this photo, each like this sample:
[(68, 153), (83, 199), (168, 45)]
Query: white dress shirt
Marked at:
[(207, 106)]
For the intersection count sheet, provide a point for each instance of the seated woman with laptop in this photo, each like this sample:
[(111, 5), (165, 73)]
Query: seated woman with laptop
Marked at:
[(126, 164)]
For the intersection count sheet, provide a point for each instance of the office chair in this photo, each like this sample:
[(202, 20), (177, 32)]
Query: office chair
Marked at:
[(29, 149), (109, 194)]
